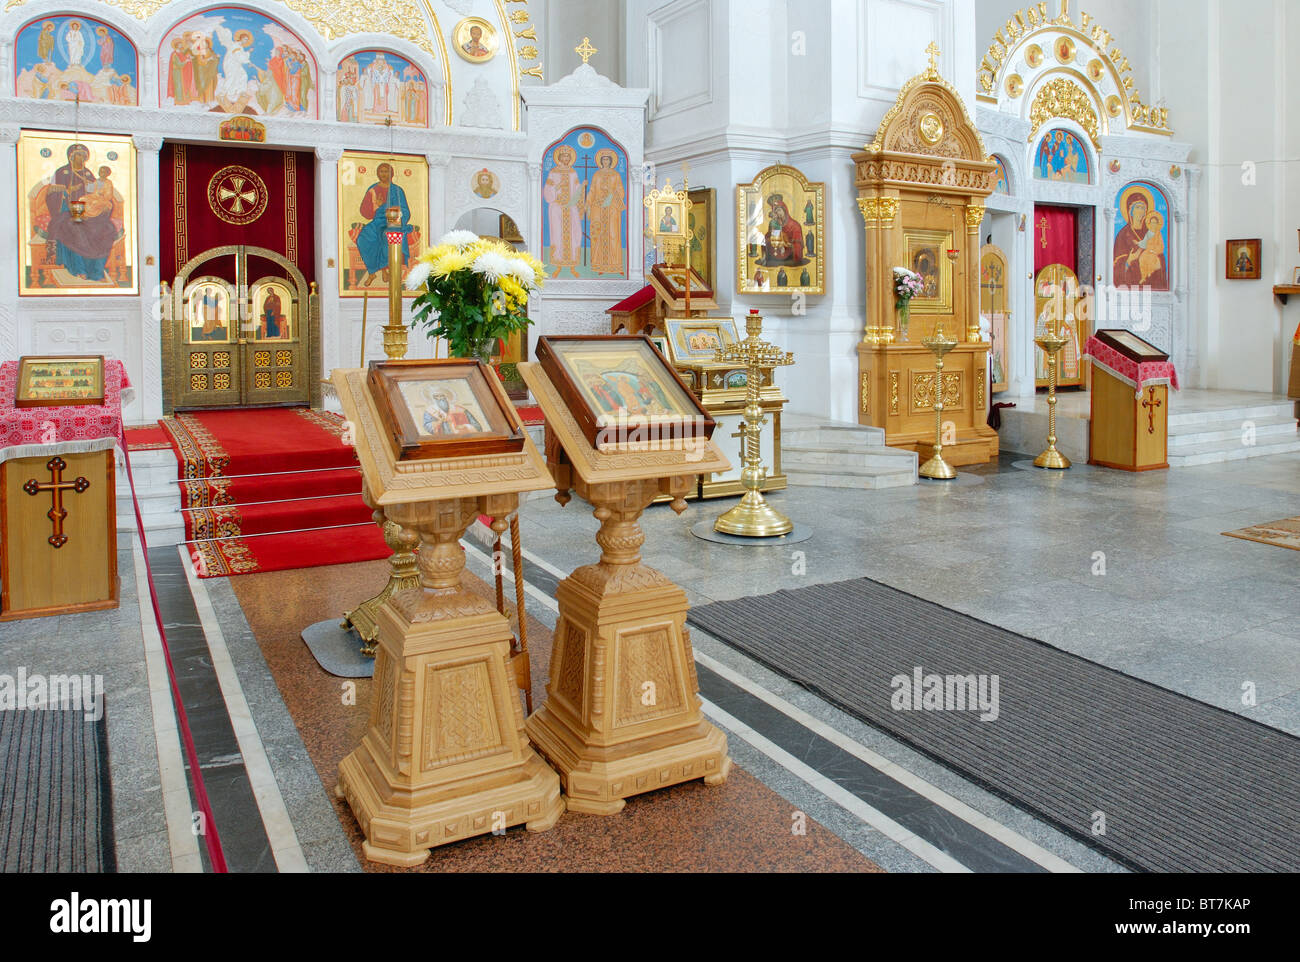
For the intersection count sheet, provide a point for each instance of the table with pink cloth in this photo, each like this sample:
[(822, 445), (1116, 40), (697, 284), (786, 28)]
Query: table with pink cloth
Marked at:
[(1136, 374), (61, 429)]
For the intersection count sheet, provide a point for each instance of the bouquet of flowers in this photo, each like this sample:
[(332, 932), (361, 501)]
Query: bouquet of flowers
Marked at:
[(473, 292), (907, 284)]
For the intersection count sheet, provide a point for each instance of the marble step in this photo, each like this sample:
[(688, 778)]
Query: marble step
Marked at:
[(863, 478), (1180, 421), (1216, 452), (839, 435), (1232, 431), (813, 457)]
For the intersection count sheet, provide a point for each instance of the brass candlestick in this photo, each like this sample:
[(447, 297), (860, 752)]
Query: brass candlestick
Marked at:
[(753, 517), (403, 563), (395, 331), (937, 469), (1051, 343)]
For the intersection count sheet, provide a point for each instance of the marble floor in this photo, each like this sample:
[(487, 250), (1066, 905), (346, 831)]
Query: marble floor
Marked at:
[(1131, 571)]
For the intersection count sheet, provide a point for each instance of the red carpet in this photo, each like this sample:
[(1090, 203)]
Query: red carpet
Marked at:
[(149, 437), (270, 489)]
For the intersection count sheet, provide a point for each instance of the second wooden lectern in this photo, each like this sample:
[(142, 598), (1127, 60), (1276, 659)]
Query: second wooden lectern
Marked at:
[(1129, 429), (622, 711)]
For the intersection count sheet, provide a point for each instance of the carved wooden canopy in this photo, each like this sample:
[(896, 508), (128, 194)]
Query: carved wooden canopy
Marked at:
[(927, 138)]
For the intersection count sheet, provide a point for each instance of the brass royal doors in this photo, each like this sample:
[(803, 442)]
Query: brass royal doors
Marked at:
[(240, 328)]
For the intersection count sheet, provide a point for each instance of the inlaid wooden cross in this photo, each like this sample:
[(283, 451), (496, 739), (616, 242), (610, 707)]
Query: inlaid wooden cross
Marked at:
[(56, 487), (1151, 403)]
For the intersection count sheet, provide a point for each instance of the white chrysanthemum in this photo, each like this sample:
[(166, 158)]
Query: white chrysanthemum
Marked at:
[(523, 271), (419, 275), (460, 238), (491, 265)]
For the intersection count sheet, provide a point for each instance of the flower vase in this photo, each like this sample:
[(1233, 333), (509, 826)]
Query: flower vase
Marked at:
[(484, 350), (904, 315)]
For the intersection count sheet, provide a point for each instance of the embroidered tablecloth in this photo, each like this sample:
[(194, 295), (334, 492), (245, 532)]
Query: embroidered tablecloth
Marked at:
[(28, 432), (1136, 374)]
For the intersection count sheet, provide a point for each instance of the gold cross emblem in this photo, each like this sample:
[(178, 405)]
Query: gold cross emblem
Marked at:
[(585, 50), (1044, 225)]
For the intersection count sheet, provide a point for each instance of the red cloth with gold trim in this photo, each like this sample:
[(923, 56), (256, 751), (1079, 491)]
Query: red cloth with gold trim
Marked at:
[(1136, 374), (68, 422)]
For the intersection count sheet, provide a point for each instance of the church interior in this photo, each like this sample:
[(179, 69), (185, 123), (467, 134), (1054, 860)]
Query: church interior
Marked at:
[(692, 436)]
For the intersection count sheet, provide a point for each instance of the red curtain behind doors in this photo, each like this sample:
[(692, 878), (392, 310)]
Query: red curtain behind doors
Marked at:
[(1055, 237), (190, 225)]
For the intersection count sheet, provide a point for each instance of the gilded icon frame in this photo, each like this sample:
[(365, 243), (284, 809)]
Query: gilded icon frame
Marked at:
[(357, 173), (755, 216), (704, 212), (30, 371), (34, 173), (937, 243), (490, 41)]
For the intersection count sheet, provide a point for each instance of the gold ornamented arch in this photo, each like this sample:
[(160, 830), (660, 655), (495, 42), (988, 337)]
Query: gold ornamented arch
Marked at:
[(1037, 37), (1062, 98), (929, 117)]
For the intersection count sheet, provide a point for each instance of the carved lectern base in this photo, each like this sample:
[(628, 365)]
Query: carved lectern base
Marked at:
[(622, 711), (445, 756)]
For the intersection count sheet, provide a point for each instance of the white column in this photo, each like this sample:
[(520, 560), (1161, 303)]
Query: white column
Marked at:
[(335, 342), (148, 405), (9, 266)]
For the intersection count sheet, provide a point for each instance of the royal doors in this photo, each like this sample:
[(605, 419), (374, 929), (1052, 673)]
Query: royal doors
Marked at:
[(240, 329)]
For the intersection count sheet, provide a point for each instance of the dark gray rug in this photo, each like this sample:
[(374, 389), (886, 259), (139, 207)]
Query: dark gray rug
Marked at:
[(1155, 780), (55, 796)]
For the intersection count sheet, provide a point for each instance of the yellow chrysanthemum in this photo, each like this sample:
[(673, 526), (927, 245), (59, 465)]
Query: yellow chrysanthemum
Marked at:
[(449, 261)]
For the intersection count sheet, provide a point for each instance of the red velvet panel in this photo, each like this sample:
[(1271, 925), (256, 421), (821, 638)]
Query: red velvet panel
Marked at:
[(1055, 237), (190, 225)]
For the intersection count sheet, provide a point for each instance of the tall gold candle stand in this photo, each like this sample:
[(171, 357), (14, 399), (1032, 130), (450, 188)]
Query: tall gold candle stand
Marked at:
[(404, 574), (937, 469), (1051, 343), (753, 517), (395, 331)]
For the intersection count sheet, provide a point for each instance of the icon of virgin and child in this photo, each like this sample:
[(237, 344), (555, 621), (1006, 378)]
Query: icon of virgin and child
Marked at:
[(1140, 243), (784, 240)]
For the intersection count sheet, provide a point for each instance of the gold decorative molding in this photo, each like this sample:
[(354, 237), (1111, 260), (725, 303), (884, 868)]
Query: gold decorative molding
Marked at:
[(893, 392), (923, 391), (870, 211), (140, 9), (928, 77), (1064, 38), (974, 217), (887, 210), (1065, 99), (866, 393), (979, 389)]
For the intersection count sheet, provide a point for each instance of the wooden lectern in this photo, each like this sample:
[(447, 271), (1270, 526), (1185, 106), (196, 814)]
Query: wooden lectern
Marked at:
[(1129, 429), (444, 756), (622, 711), (921, 188)]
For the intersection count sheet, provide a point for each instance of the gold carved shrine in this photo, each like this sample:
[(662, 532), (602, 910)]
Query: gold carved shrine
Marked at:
[(921, 189)]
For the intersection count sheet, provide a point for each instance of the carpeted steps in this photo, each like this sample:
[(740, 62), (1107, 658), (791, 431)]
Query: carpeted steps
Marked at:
[(270, 489)]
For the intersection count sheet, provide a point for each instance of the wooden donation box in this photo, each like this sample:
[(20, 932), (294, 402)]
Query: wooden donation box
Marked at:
[(58, 502), (1129, 429), (921, 189), (444, 756), (622, 712)]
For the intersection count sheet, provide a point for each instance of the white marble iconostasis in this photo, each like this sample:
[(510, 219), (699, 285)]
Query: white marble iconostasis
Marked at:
[(1042, 75), (485, 131)]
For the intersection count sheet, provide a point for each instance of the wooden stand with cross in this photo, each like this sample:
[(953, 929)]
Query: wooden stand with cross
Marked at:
[(1129, 429), (58, 548)]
